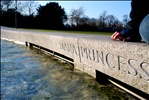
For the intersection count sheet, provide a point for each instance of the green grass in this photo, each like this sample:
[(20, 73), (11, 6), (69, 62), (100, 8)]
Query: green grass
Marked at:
[(71, 32)]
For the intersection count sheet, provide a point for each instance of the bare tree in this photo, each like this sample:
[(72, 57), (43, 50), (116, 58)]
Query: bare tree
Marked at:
[(83, 21), (6, 4), (92, 22), (111, 21), (27, 7), (20, 7), (119, 25), (125, 20), (75, 15), (102, 19)]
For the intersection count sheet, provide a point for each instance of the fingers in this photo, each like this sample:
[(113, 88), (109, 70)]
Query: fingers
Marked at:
[(116, 36), (113, 35)]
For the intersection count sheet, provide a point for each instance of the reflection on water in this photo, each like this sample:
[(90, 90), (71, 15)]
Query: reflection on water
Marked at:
[(28, 74)]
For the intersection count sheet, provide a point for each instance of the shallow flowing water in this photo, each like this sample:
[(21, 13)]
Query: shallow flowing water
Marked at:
[(29, 74)]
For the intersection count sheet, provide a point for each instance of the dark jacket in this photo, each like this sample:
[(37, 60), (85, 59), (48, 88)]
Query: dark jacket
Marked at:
[(139, 9)]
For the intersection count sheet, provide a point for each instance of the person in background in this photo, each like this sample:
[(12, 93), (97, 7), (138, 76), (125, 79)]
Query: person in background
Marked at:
[(139, 9)]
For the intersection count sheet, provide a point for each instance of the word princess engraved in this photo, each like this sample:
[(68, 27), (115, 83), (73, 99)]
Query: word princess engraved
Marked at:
[(126, 65)]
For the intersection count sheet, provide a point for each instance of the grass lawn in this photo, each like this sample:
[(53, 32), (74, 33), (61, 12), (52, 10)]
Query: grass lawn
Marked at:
[(74, 32)]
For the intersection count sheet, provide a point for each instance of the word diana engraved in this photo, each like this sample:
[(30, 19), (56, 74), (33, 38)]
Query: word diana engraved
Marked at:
[(126, 65)]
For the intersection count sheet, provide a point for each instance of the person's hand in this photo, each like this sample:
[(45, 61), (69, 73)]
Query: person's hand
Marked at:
[(119, 36), (116, 36)]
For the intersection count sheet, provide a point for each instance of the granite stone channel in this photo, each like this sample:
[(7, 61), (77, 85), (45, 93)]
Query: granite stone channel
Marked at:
[(30, 74)]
